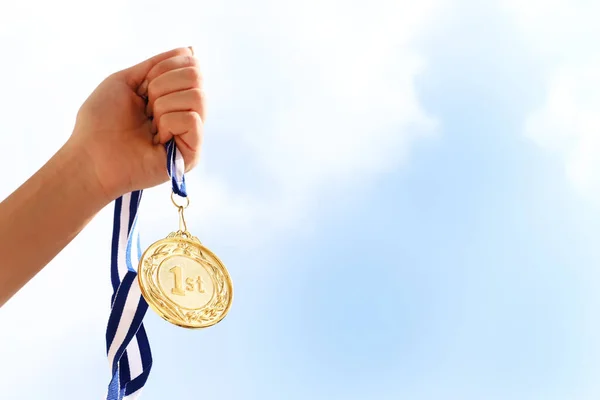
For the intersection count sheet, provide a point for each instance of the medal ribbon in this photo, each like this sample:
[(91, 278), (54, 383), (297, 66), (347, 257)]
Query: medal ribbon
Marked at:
[(127, 345)]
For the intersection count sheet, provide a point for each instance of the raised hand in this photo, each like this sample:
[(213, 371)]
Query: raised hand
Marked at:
[(123, 125)]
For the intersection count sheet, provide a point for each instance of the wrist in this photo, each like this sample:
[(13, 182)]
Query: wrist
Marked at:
[(80, 164)]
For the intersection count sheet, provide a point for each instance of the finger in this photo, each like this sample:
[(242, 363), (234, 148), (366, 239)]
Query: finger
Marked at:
[(170, 64), (135, 75), (173, 81), (184, 100), (186, 127)]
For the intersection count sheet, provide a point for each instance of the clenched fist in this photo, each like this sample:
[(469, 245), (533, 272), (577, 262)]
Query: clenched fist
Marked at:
[(123, 125)]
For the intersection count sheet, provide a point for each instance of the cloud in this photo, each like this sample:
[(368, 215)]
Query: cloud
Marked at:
[(338, 105), (567, 123), (303, 98)]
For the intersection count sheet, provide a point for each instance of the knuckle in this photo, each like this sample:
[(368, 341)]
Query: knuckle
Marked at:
[(197, 95), (192, 118), (189, 61), (196, 117), (194, 75)]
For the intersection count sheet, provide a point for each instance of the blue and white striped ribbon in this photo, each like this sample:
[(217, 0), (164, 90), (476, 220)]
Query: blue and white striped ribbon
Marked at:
[(127, 345)]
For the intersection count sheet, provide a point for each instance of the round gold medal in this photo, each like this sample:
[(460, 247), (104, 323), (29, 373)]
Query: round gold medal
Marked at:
[(184, 282)]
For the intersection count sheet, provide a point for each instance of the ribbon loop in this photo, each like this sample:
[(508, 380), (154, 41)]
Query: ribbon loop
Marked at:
[(127, 345), (176, 168)]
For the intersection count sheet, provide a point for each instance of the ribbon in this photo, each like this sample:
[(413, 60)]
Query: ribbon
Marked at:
[(127, 345)]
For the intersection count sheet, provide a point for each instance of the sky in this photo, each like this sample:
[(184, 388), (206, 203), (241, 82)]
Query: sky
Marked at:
[(406, 195)]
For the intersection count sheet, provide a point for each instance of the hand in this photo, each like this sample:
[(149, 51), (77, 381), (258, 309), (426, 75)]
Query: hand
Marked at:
[(122, 127)]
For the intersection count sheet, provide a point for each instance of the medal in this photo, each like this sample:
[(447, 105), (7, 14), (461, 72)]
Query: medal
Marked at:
[(177, 277), (183, 281)]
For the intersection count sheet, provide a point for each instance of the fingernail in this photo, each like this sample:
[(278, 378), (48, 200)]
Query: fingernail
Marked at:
[(142, 89), (155, 139), (191, 49)]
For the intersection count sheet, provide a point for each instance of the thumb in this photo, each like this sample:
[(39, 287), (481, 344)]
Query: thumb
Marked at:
[(136, 74)]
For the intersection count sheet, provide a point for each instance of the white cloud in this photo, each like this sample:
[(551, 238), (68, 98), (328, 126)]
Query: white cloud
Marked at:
[(564, 34), (346, 110), (568, 124)]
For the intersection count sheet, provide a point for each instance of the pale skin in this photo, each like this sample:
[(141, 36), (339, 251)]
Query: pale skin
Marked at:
[(115, 148)]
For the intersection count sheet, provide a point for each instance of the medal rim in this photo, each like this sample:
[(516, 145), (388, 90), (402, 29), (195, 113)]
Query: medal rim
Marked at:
[(191, 240)]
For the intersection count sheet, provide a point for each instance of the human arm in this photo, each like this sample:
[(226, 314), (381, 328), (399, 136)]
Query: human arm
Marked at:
[(43, 215), (114, 149)]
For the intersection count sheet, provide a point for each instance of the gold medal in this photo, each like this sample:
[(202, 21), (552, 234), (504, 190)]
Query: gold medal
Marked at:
[(183, 281)]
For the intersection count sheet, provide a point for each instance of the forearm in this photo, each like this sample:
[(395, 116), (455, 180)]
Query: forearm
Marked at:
[(41, 217)]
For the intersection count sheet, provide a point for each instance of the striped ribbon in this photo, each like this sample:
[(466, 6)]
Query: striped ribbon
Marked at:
[(127, 345)]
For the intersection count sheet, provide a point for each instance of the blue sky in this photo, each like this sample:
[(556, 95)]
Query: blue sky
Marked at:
[(404, 207)]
